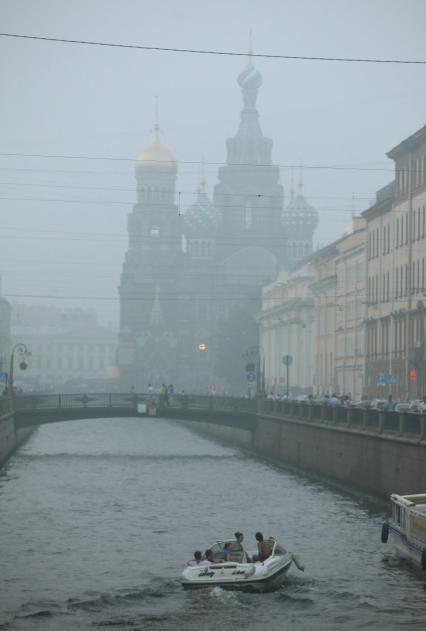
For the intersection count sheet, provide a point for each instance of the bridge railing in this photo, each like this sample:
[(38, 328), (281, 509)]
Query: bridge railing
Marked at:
[(130, 401), (390, 423)]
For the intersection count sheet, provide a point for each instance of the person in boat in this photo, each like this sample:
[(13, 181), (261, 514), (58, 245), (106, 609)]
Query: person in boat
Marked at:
[(263, 548), (226, 554), (197, 560), (240, 555), (208, 557)]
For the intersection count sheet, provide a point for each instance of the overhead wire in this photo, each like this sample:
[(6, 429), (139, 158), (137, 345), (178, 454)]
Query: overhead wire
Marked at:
[(199, 51), (332, 167)]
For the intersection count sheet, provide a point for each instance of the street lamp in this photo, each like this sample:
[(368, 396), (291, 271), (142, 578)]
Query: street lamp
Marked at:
[(24, 353)]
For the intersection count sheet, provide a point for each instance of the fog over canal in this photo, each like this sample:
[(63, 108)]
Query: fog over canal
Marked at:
[(97, 519)]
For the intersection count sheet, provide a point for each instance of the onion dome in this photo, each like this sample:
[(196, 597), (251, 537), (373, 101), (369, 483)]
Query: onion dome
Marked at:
[(202, 218), (249, 81), (299, 215), (300, 212), (156, 155), (249, 78)]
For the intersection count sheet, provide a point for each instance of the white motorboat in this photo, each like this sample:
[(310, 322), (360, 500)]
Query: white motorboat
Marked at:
[(406, 528), (240, 574)]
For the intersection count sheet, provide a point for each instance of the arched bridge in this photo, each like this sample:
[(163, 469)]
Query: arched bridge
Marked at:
[(40, 409)]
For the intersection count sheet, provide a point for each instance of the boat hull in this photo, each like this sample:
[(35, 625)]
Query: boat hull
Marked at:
[(247, 576), (406, 547)]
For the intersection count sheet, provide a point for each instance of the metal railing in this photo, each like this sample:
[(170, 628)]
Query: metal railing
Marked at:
[(130, 401), (390, 423)]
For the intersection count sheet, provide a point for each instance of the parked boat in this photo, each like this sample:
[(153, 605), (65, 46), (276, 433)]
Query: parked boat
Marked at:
[(240, 574), (406, 528)]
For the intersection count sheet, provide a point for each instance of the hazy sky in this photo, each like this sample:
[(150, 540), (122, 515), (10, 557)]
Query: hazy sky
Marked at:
[(65, 235)]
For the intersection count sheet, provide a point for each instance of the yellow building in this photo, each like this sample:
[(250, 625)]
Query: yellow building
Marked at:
[(396, 287), (339, 313)]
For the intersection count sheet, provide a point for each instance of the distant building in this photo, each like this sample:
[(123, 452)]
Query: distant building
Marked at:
[(286, 328), (69, 349), (186, 275)]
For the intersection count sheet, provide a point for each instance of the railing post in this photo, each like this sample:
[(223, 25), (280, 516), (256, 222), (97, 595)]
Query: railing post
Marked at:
[(401, 424), (423, 427), (59, 401), (381, 424)]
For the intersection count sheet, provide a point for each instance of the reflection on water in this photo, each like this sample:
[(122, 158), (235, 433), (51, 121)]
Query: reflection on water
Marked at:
[(97, 519)]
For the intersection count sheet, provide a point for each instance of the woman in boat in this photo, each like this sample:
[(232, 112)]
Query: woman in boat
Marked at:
[(240, 555), (198, 557)]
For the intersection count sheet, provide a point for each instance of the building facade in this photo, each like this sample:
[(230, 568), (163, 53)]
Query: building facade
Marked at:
[(351, 310), (396, 286), (70, 350), (286, 324)]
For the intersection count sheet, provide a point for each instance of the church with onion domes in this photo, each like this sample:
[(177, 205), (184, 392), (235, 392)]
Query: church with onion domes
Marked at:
[(192, 278)]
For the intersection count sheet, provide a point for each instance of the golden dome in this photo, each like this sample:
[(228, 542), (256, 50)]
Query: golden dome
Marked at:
[(155, 154)]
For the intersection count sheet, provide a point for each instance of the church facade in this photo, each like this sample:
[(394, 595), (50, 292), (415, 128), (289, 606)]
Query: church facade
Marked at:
[(191, 283)]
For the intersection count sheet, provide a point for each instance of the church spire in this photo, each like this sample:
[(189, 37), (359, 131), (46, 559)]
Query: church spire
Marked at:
[(300, 182)]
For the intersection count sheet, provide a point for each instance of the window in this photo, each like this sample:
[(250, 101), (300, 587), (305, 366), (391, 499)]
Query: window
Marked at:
[(248, 217), (418, 276)]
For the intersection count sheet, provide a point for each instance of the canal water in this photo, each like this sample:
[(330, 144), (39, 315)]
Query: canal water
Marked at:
[(97, 519)]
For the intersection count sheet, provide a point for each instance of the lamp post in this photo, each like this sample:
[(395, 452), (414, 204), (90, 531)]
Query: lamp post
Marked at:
[(24, 353)]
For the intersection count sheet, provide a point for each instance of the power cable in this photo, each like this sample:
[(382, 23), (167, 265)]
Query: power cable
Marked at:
[(196, 162), (213, 52)]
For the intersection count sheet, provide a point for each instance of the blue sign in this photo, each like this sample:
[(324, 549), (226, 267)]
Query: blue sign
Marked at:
[(287, 360), (251, 377), (388, 378), (381, 377), (3, 377)]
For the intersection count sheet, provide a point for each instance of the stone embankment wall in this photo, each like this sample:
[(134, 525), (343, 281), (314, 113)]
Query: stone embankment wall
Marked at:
[(9, 438), (374, 452), (233, 435), (376, 464)]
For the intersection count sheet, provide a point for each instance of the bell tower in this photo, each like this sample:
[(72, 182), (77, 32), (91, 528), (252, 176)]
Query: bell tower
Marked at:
[(147, 283)]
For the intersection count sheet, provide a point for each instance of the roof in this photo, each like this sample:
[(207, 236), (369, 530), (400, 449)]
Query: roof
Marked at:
[(408, 144), (384, 200)]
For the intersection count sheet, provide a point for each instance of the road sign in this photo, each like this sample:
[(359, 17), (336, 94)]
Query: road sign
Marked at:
[(251, 377), (287, 360), (392, 379), (3, 377), (381, 377)]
